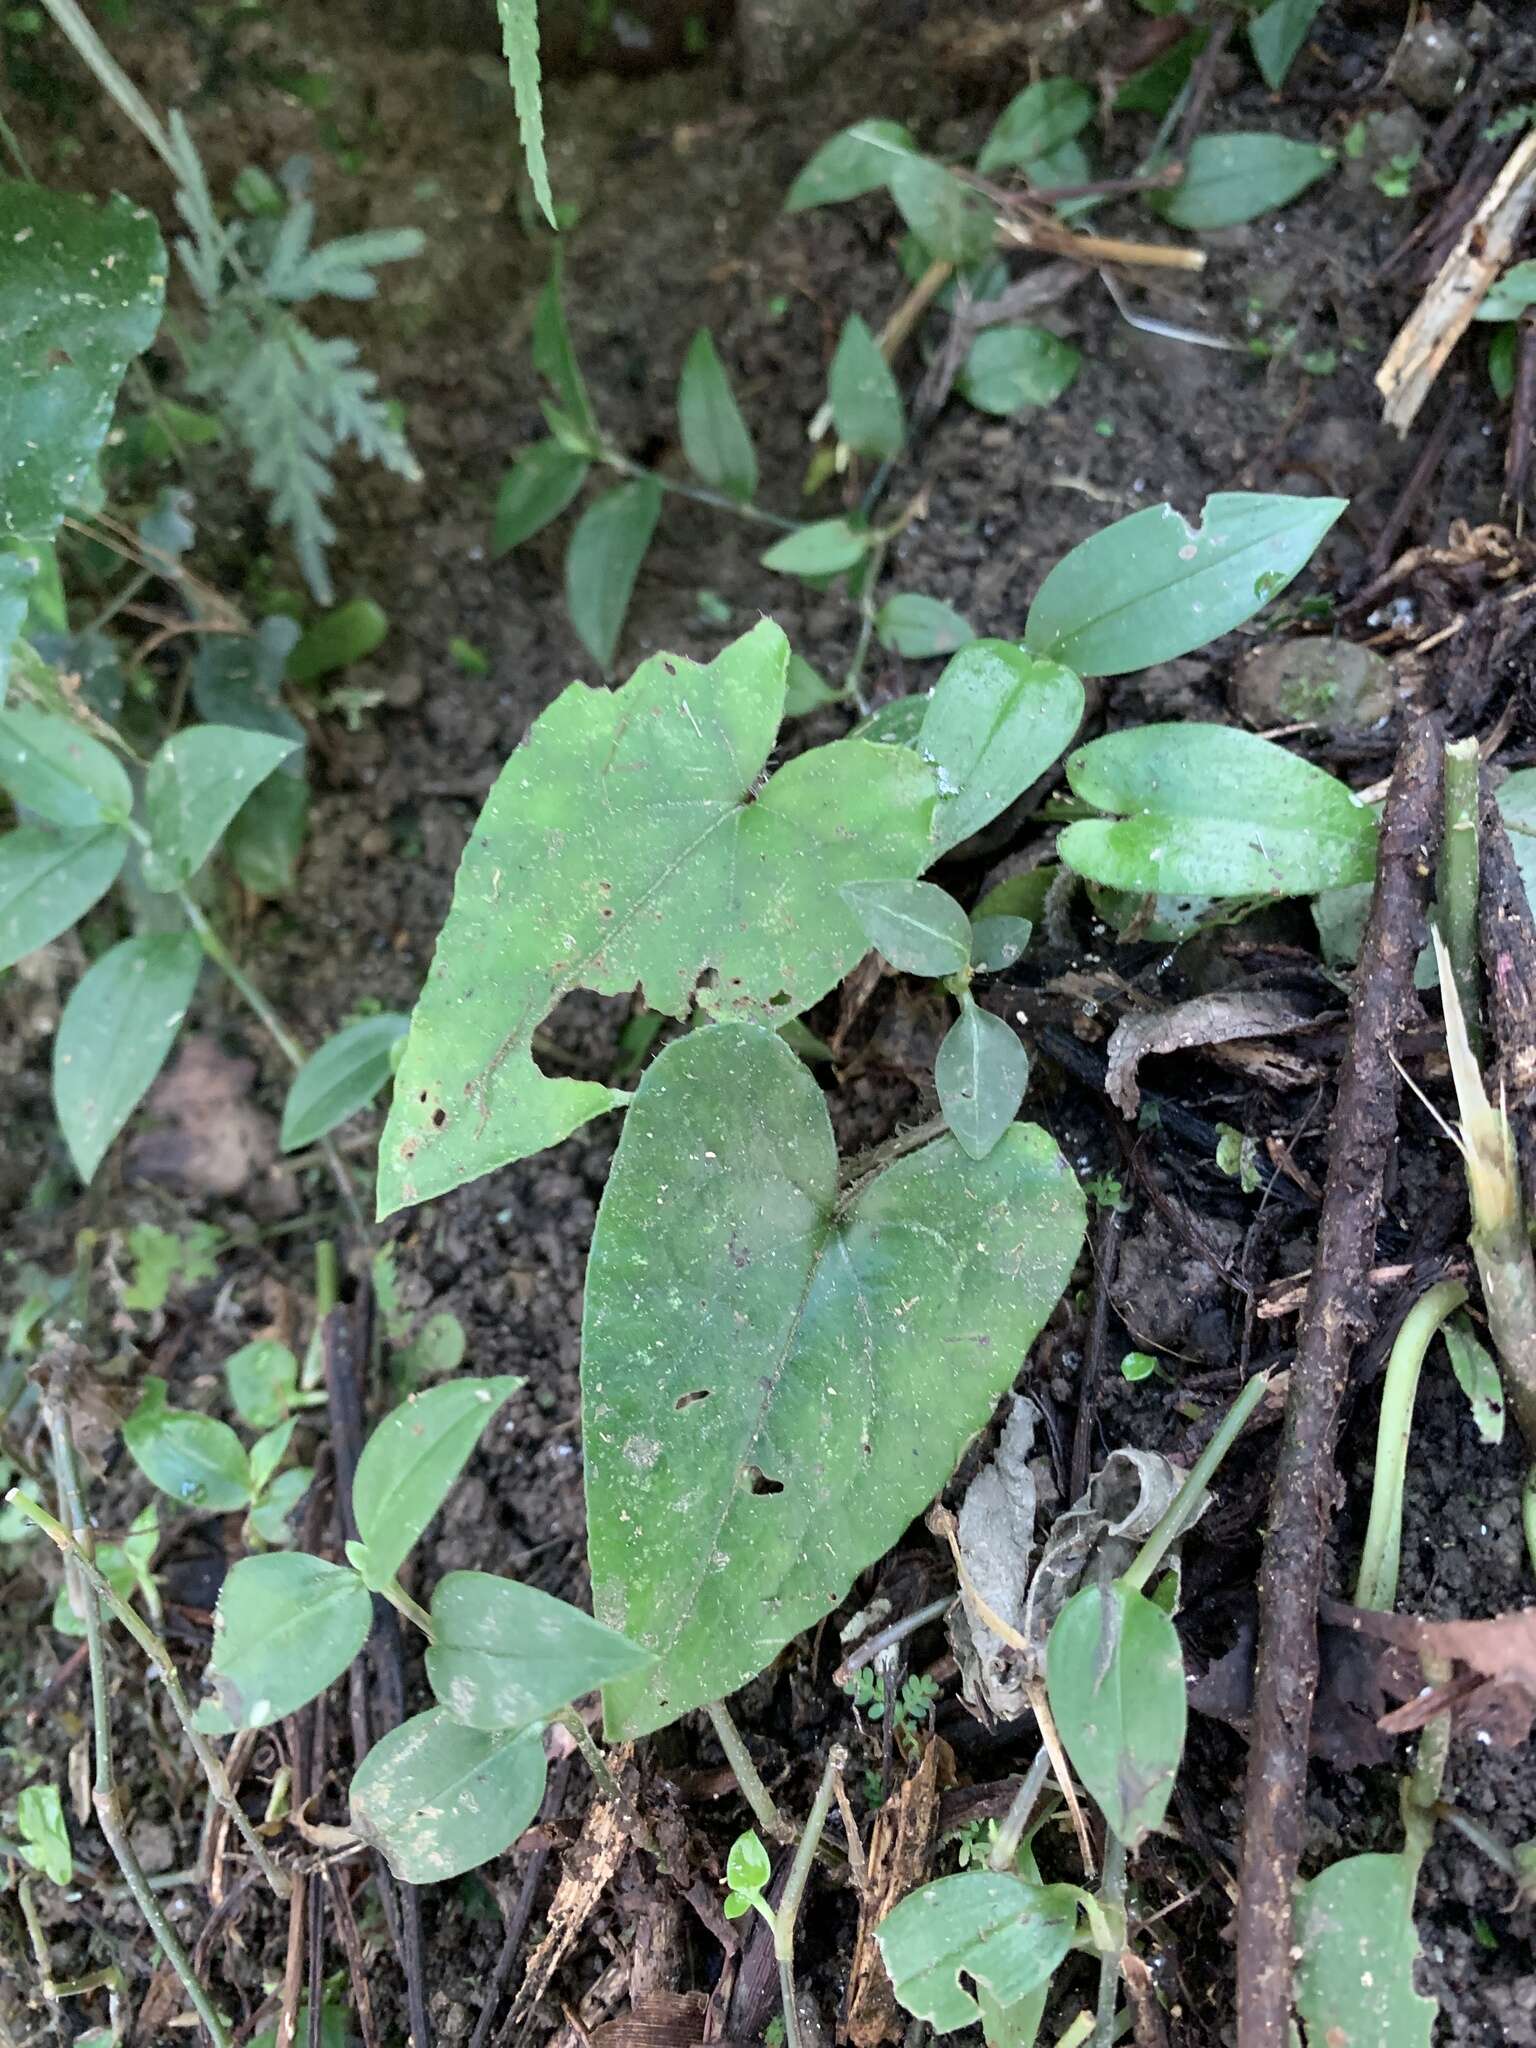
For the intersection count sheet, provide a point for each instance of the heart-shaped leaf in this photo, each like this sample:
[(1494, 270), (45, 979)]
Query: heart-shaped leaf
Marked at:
[(1115, 1677), (196, 1459), (535, 490), (48, 879), (997, 720), (714, 434), (1012, 369), (505, 1655), (409, 1464), (866, 402), (1208, 810), (341, 1078), (1354, 1977), (195, 785), (1151, 587), (627, 841), (857, 161), (762, 1412), (262, 1379), (80, 297), (999, 1930), (981, 1073), (603, 560), (286, 1626), (439, 1798), (919, 928), (118, 1025), (1232, 178)]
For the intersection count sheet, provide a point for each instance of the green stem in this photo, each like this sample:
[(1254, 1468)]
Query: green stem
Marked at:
[(794, 1891), (1077, 2033), (1422, 1789), (1179, 1511), (1456, 885), (716, 500), (1011, 1833), (1112, 1895), (413, 1611), (753, 1790), (1496, 1851), (874, 569), (1376, 1584), (608, 1784)]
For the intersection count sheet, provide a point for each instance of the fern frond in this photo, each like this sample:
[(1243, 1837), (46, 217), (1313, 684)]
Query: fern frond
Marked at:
[(520, 44), (206, 253)]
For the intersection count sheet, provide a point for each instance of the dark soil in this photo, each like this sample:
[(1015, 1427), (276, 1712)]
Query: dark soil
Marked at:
[(678, 179)]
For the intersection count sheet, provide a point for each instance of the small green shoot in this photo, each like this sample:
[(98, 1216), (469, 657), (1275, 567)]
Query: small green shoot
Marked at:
[(747, 1873)]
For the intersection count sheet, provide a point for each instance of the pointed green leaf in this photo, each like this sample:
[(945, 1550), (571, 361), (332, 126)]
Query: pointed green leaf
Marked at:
[(896, 724), (438, 1798), (857, 161), (747, 1866), (920, 929), (262, 1379), (268, 1452), (121, 1020), (270, 1517), (237, 679), (520, 45), (341, 1078), (54, 769), (1477, 1376), (48, 879), (825, 548), (604, 559), (1035, 123), (919, 627), (195, 785), (266, 835), (996, 942), (953, 223), (997, 720), (286, 1626), (553, 355), (535, 490), (1115, 1678), (866, 402), (80, 297), (1354, 1980), (1209, 810), (627, 842), (506, 1655), (805, 689), (196, 1459), (996, 1929), (409, 1464), (981, 1073), (1229, 179), (715, 437), (762, 1415), (1152, 587), (44, 1832), (1009, 369), (1509, 296), (1276, 36)]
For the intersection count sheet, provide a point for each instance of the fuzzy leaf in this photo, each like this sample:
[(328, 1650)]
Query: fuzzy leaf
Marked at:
[(48, 879), (507, 1655), (286, 1626), (981, 1073), (117, 1028), (341, 1078), (626, 842), (520, 45), (715, 437), (410, 1463), (866, 402), (1115, 1678), (1000, 1931), (439, 1798), (761, 1412), (1229, 179)]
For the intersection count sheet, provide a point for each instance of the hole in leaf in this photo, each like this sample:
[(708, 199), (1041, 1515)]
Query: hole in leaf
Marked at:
[(439, 1118), (760, 1483), (691, 1400)]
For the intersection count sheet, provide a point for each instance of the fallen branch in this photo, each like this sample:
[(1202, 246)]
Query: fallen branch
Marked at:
[(1334, 1320)]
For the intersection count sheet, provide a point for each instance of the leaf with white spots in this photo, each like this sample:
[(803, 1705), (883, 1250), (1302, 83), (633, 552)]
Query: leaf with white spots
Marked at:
[(409, 1464), (1354, 1978), (121, 1020), (506, 1655), (48, 879), (439, 1798), (1115, 1677), (195, 785), (286, 1626)]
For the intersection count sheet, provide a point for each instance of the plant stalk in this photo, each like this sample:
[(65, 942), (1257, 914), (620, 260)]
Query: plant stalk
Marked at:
[(699, 493), (1376, 1584), (1016, 1820), (794, 1891), (1422, 1789), (1456, 886), (1112, 1895), (753, 1790), (608, 1784), (1180, 1510)]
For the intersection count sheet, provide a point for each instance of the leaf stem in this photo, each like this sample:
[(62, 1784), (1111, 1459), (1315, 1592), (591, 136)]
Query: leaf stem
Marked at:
[(413, 1611), (608, 1784), (700, 495), (1111, 1894), (1456, 885), (794, 1891), (1011, 1833), (1376, 1582), (869, 590), (753, 1790), (1180, 1510)]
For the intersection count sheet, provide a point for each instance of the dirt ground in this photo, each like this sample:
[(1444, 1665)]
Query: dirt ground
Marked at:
[(677, 178)]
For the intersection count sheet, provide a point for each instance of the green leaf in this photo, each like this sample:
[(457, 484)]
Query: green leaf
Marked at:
[(1036, 122), (996, 942), (44, 1833), (762, 1416), (520, 45), (439, 1798), (981, 1073), (80, 297), (553, 356), (196, 1459), (997, 720), (1115, 1678), (1000, 1931), (1152, 587), (286, 1626), (824, 548), (604, 559), (48, 879), (1509, 295), (535, 490), (507, 1655), (1516, 798), (410, 1463), (1011, 368), (857, 161), (747, 1865), (1276, 36), (953, 223), (1501, 360), (805, 689), (866, 401), (715, 437), (436, 1349), (53, 769), (268, 1452), (270, 1516), (896, 724), (1020, 896), (237, 679), (195, 785), (262, 1379), (341, 1078), (333, 2029), (121, 1020), (1229, 179), (920, 626), (626, 842), (341, 636), (1354, 1979), (1477, 1376), (266, 835), (17, 574), (1209, 810), (919, 928)]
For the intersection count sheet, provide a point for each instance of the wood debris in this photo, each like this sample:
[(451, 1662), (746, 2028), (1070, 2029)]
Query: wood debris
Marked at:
[(901, 1847)]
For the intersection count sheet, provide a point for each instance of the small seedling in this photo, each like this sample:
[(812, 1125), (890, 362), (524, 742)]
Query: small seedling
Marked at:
[(747, 1873)]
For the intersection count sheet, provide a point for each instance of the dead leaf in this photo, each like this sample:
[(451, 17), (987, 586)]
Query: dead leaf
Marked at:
[(996, 1532), (901, 1847), (659, 2019), (1493, 1697), (211, 1138), (1206, 1020)]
